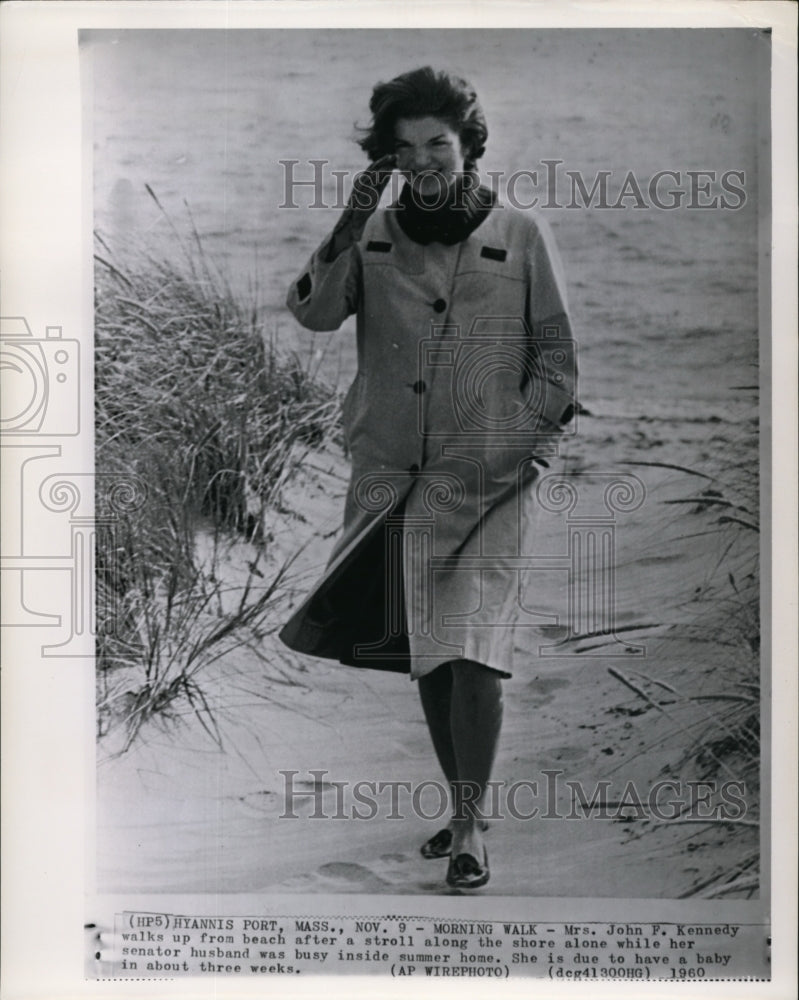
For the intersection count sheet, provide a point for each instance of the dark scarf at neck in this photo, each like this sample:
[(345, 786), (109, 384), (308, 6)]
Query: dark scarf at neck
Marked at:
[(451, 222)]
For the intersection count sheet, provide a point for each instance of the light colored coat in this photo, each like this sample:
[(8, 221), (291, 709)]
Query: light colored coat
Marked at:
[(465, 373)]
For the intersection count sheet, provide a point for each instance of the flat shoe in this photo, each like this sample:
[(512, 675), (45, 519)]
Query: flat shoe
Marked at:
[(438, 846), (466, 872)]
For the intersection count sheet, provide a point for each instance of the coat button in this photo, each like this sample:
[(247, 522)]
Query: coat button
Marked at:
[(413, 469), (439, 305), (419, 387)]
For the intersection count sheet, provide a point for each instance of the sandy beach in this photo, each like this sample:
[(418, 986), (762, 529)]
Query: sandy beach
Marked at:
[(178, 814)]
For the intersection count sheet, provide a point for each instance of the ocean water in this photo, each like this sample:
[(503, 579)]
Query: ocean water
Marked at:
[(664, 302)]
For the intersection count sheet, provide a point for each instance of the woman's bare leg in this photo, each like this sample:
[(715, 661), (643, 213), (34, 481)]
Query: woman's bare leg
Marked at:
[(475, 723), (462, 703), (435, 690)]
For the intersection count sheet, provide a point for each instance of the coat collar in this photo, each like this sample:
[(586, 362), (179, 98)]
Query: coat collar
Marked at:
[(450, 223)]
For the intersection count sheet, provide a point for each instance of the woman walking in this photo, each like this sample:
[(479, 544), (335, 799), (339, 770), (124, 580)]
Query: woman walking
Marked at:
[(465, 376)]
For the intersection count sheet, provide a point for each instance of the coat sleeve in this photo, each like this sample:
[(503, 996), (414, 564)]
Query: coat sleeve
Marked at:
[(548, 319), (327, 290)]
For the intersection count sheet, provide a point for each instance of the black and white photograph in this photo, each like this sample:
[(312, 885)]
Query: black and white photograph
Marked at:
[(425, 547)]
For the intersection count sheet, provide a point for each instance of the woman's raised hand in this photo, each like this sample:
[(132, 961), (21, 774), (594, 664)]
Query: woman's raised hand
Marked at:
[(364, 198), (367, 188)]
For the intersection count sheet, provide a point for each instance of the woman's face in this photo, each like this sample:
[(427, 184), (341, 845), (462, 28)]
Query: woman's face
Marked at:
[(429, 155)]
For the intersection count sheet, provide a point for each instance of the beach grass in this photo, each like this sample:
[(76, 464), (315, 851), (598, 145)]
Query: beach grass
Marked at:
[(203, 414), (715, 713)]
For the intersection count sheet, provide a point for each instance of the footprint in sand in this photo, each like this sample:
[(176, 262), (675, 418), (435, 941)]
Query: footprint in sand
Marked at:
[(389, 873), (399, 869), (353, 876), (546, 684), (540, 690)]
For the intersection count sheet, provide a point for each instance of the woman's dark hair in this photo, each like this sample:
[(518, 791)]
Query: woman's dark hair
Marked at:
[(421, 93)]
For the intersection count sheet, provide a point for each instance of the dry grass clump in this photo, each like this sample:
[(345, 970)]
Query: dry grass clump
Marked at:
[(183, 374), (201, 415), (716, 716), (728, 611)]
